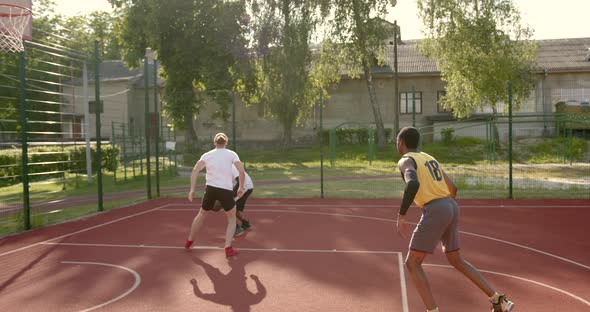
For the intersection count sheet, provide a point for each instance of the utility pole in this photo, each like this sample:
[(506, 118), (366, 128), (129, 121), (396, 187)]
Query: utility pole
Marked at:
[(395, 81)]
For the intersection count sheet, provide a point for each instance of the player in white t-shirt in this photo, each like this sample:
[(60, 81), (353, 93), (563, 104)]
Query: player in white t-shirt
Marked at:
[(219, 187), (243, 223)]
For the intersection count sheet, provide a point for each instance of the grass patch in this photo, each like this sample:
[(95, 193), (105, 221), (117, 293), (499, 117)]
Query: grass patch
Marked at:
[(539, 172)]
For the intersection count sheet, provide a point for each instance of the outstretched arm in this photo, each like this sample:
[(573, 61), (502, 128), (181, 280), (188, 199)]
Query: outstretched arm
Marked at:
[(194, 175)]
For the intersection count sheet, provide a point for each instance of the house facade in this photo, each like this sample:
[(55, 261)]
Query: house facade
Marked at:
[(563, 75), (122, 102)]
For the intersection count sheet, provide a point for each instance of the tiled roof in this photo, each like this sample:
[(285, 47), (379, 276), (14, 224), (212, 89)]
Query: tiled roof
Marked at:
[(113, 70), (116, 70), (564, 54), (554, 55)]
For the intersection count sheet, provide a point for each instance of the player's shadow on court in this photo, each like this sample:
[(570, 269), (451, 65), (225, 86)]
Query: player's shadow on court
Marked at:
[(230, 289)]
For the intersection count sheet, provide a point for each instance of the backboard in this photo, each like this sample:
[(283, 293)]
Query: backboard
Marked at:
[(16, 7)]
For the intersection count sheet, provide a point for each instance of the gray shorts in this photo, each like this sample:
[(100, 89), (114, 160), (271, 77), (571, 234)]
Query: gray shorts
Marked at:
[(439, 222)]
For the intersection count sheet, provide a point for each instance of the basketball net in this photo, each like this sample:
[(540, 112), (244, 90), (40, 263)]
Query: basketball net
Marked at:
[(13, 20)]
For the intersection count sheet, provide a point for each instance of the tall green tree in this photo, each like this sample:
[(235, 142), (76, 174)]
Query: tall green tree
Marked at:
[(357, 28), (200, 45), (479, 47), (282, 31), (78, 33)]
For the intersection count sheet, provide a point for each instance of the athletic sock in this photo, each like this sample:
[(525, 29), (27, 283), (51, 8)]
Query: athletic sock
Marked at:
[(495, 298)]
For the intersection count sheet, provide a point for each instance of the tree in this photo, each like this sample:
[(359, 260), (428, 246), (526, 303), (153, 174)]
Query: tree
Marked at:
[(282, 31), (82, 30), (479, 47), (200, 45), (358, 30)]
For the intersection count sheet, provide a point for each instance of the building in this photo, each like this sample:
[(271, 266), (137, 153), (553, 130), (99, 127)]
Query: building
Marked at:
[(122, 102), (563, 75)]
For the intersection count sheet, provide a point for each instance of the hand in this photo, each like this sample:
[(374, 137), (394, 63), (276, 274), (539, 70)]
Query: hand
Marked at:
[(191, 194), (240, 192), (402, 226)]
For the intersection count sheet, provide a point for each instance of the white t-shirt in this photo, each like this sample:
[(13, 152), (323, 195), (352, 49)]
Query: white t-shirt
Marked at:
[(248, 184), (219, 163)]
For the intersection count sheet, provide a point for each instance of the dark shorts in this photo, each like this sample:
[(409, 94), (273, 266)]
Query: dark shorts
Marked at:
[(241, 203), (439, 223), (212, 194)]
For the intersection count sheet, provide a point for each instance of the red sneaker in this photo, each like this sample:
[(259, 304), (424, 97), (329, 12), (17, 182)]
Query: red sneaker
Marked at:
[(188, 244), (230, 251)]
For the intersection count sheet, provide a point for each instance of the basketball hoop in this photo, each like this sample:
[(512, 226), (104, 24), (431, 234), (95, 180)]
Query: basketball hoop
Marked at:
[(13, 20)]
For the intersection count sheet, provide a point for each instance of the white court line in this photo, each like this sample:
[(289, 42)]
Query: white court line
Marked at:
[(391, 220), (197, 205), (81, 231), (402, 277), (404, 292), (522, 279), (219, 248), (135, 284)]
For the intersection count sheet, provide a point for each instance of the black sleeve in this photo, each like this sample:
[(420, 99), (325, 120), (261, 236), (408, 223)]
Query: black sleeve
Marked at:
[(412, 186)]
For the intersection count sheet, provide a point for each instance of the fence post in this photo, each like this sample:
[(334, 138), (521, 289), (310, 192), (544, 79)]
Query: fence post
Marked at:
[(114, 152), (175, 153), (140, 157), (87, 123), (147, 129), (510, 190), (233, 117), (157, 125), (332, 147), (161, 129), (24, 140), (97, 107), (371, 141), (321, 144), (571, 146), (124, 152)]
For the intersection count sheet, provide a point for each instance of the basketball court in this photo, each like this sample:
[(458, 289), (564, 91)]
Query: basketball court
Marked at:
[(300, 255)]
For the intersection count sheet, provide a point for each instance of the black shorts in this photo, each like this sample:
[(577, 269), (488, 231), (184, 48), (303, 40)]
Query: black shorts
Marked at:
[(241, 203), (212, 194)]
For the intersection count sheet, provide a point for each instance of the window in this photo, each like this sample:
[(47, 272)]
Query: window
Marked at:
[(92, 107), (406, 102), (440, 108)]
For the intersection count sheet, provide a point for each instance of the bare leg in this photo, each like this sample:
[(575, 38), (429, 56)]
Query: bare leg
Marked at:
[(414, 264), (231, 226), (197, 223), (456, 260)]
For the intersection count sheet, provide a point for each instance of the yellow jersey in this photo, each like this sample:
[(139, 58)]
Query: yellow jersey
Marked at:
[(430, 176)]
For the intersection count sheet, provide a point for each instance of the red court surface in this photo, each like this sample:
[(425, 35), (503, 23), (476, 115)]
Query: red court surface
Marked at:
[(301, 255)]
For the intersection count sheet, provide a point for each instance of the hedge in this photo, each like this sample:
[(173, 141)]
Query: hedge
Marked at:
[(354, 136), (48, 162)]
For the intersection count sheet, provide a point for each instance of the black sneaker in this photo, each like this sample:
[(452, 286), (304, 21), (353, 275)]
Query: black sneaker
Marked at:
[(245, 224), (503, 305)]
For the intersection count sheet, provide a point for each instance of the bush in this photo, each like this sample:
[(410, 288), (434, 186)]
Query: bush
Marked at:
[(48, 162), (447, 135)]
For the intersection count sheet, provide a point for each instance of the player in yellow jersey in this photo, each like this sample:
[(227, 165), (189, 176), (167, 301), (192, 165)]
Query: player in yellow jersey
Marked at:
[(430, 188)]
